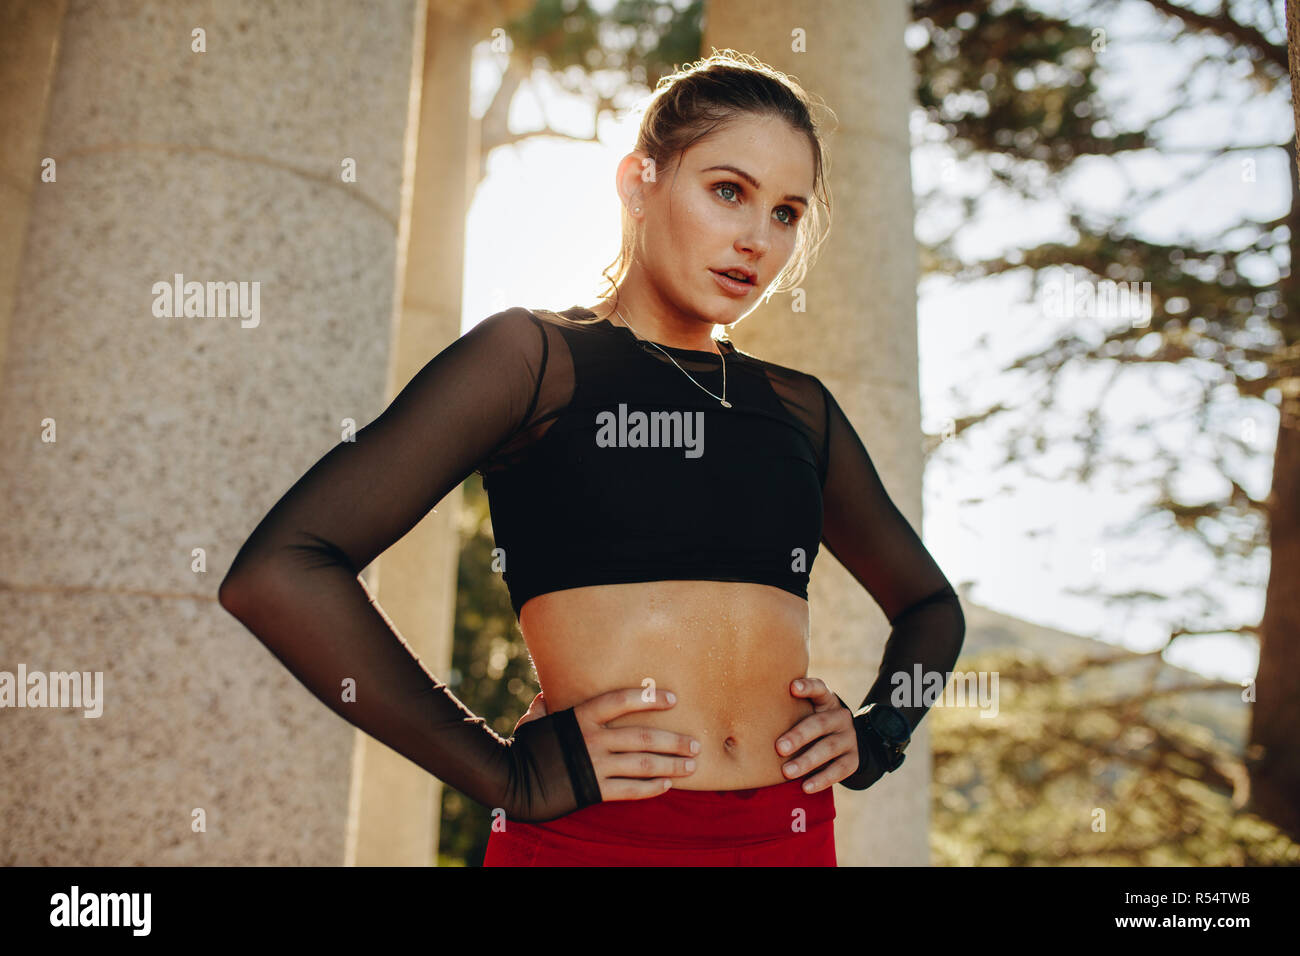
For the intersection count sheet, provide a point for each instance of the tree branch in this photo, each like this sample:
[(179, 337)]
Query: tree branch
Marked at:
[(1223, 25)]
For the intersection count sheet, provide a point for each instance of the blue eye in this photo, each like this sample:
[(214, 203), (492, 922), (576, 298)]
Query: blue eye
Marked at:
[(733, 187)]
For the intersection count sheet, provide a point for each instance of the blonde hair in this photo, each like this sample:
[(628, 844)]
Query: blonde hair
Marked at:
[(696, 101)]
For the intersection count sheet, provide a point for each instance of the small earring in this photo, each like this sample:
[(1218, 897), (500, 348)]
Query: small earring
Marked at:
[(636, 208)]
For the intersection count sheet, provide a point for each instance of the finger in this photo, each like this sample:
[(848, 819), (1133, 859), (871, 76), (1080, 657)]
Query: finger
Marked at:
[(820, 753), (813, 688), (621, 788), (832, 773), (806, 731), (626, 700), (650, 739), (639, 765)]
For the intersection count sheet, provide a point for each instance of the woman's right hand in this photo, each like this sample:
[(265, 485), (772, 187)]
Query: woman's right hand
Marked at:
[(631, 763)]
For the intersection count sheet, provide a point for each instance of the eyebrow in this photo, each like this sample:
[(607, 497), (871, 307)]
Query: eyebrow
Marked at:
[(752, 181)]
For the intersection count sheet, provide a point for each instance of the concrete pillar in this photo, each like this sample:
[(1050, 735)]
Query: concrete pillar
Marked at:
[(137, 451), (858, 336)]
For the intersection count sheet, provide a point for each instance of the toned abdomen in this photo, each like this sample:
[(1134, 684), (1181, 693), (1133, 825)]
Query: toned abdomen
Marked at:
[(728, 650)]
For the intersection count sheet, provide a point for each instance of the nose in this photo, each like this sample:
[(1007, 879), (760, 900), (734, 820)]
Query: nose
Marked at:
[(755, 243)]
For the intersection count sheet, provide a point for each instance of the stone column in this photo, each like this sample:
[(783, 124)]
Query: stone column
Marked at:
[(138, 450), (858, 335)]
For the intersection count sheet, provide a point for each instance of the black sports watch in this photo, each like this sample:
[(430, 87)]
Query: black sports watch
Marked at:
[(883, 734), (888, 732)]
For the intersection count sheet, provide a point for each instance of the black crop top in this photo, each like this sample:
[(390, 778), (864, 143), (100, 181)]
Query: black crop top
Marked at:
[(626, 471), (602, 463)]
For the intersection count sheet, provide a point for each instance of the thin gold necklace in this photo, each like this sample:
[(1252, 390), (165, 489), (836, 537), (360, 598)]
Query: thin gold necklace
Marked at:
[(723, 398)]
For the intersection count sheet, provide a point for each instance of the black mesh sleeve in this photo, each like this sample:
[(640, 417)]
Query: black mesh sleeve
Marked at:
[(869, 535), (294, 584)]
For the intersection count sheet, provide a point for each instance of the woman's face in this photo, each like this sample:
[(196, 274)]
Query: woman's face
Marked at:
[(699, 217)]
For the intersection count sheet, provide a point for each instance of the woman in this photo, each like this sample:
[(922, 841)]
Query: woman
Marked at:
[(658, 498)]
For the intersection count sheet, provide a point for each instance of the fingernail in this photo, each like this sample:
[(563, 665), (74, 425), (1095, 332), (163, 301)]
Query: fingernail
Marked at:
[(695, 746), (690, 764), (789, 768), (784, 746), (670, 696), (798, 685)]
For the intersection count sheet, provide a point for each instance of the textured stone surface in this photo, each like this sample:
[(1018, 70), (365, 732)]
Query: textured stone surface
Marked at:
[(175, 434), (196, 715)]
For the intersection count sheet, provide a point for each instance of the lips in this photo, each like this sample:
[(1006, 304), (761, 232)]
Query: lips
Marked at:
[(736, 273), (733, 287)]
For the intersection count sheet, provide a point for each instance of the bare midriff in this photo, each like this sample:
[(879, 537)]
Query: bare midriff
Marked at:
[(728, 651)]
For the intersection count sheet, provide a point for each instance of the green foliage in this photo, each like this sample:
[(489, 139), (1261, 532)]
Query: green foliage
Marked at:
[(1070, 773), (1017, 95), (637, 40)]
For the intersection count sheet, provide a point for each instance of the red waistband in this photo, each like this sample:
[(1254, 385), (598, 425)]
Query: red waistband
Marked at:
[(699, 818)]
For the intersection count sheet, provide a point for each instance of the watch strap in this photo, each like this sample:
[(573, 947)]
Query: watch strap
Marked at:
[(871, 760)]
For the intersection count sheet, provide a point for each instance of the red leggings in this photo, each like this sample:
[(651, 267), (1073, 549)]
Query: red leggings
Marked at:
[(778, 825)]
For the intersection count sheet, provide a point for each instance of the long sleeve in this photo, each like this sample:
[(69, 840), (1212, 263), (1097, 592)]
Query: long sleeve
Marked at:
[(294, 584), (869, 535)]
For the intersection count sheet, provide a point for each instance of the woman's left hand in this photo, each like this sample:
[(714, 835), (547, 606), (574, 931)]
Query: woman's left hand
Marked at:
[(831, 726)]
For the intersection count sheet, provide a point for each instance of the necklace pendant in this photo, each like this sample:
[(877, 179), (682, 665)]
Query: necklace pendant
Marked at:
[(725, 403)]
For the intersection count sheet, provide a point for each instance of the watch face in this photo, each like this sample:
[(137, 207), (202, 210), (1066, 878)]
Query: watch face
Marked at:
[(893, 723)]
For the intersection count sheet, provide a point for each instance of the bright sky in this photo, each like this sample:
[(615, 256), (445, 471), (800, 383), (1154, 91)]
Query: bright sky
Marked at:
[(545, 222)]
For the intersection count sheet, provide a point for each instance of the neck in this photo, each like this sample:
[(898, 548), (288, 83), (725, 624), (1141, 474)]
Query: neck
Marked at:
[(647, 322)]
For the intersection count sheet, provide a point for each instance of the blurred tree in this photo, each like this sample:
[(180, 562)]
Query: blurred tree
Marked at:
[(1019, 89), (607, 58), (1075, 771), (1293, 61)]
